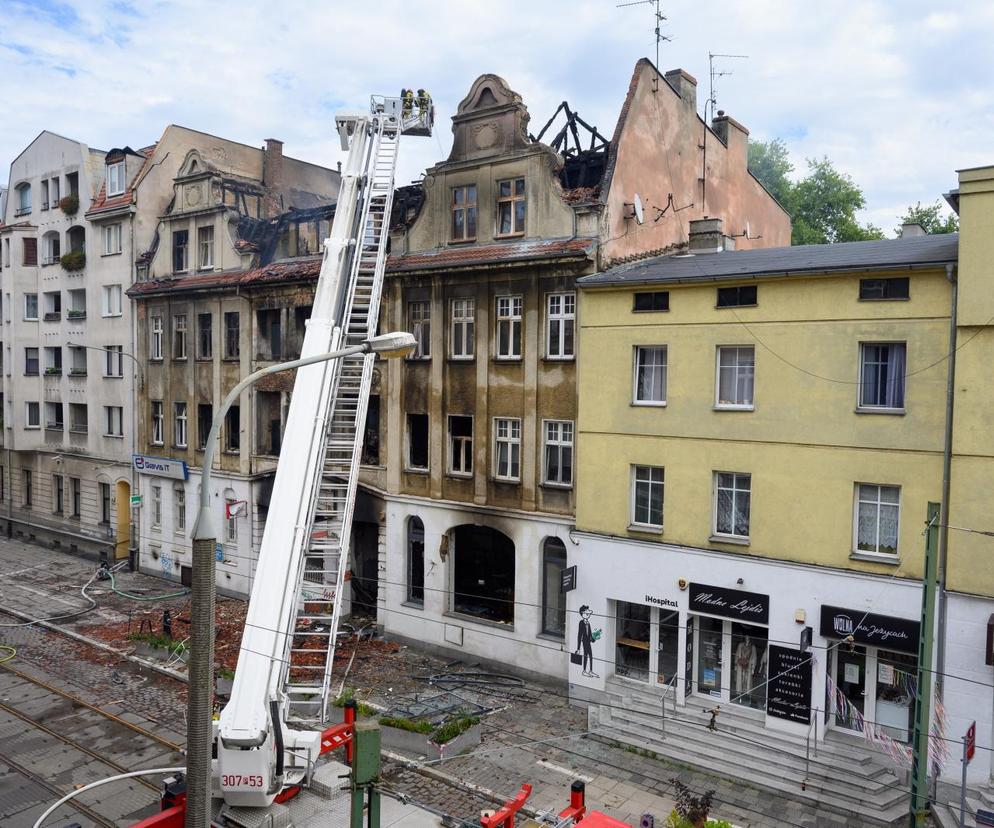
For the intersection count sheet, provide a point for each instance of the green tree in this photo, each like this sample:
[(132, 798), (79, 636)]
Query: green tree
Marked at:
[(770, 163), (822, 205), (930, 218)]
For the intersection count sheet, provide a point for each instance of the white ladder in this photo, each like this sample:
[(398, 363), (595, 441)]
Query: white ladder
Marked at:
[(311, 647)]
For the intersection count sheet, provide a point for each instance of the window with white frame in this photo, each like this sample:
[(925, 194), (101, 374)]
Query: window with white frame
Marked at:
[(179, 424), (558, 452), (460, 445), (156, 506), (736, 377), (647, 496), (509, 327), (114, 416), (205, 247), (732, 503), (179, 336), (157, 435), (155, 337), (32, 415), (179, 508), (877, 518), (419, 319), (507, 448), (462, 332), (560, 323), (111, 302), (31, 307), (882, 372), (650, 375), (114, 361), (115, 178), (112, 239)]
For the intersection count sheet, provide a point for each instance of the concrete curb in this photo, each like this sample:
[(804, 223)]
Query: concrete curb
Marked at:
[(100, 645)]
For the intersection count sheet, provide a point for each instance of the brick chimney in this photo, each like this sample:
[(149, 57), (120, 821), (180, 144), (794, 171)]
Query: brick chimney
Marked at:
[(272, 175), (732, 134), (685, 85), (706, 236)]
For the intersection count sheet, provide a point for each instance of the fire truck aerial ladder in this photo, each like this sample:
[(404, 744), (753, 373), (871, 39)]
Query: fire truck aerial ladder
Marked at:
[(270, 733)]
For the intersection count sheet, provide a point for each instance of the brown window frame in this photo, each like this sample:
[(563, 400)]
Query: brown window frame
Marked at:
[(511, 199), (464, 209)]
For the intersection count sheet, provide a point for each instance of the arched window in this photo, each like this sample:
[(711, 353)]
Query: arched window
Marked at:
[(231, 510), (553, 597), (52, 247), (483, 573), (77, 239), (415, 561), (23, 199)]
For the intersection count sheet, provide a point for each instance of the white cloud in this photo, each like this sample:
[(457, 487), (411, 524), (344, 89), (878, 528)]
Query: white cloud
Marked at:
[(897, 95)]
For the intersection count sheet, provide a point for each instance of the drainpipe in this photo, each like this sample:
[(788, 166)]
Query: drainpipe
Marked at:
[(947, 458)]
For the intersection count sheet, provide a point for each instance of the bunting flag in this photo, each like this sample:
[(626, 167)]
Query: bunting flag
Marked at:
[(899, 752)]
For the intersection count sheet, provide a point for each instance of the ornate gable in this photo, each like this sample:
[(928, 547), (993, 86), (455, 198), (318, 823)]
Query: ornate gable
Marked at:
[(490, 120)]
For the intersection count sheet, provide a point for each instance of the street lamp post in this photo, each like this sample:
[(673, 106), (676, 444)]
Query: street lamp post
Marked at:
[(200, 695)]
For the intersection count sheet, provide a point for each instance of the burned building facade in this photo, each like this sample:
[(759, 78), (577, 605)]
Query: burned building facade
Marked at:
[(463, 532), (225, 288)]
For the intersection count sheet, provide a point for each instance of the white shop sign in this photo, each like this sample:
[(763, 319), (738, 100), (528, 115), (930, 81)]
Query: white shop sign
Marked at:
[(160, 466)]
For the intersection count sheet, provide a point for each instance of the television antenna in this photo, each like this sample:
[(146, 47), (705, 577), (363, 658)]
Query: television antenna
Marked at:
[(659, 17), (712, 101)]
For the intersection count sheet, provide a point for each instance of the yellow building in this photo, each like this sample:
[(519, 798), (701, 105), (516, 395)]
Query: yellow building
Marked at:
[(759, 435)]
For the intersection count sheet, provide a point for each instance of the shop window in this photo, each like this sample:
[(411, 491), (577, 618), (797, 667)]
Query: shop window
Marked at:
[(631, 656), (850, 684), (709, 658), (553, 597), (415, 561), (897, 675), (483, 574), (749, 657), (668, 648)]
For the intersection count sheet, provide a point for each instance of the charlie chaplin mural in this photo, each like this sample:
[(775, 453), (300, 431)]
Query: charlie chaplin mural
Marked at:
[(585, 638)]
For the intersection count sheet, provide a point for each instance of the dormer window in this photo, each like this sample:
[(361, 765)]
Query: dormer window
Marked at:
[(511, 207), (115, 178)]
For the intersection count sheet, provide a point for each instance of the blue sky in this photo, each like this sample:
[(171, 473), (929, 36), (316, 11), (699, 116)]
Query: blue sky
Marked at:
[(898, 95)]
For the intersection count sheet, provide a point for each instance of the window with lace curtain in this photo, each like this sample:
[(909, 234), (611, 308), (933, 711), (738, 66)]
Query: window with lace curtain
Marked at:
[(732, 504), (876, 519)]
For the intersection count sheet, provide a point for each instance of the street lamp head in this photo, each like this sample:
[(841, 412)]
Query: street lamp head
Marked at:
[(392, 345)]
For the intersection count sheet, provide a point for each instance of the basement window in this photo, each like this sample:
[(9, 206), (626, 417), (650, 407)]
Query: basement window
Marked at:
[(655, 300), (737, 297), (883, 289)]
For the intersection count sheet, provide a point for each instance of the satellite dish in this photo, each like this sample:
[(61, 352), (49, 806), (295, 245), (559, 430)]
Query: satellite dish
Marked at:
[(637, 209)]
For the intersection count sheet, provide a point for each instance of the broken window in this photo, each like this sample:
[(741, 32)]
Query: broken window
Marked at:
[(417, 442), (270, 324), (461, 445), (269, 422), (415, 561), (181, 239), (205, 418), (419, 319), (464, 213), (371, 437), (205, 335), (179, 336), (232, 324), (233, 429), (483, 576), (511, 207)]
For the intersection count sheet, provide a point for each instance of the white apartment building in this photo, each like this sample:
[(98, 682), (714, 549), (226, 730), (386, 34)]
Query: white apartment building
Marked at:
[(68, 380)]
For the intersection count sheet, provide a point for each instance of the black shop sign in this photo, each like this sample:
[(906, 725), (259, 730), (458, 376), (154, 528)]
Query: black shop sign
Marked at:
[(868, 628), (788, 693), (750, 607)]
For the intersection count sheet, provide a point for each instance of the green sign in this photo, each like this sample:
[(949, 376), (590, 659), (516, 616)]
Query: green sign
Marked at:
[(136, 500)]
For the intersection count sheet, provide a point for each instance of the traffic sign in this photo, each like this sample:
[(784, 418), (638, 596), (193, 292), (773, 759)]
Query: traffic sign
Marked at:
[(971, 741)]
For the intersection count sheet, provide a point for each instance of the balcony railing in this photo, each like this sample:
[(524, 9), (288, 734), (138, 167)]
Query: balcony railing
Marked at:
[(55, 426), (51, 260), (75, 315), (77, 372), (78, 428), (53, 316), (22, 211), (53, 371)]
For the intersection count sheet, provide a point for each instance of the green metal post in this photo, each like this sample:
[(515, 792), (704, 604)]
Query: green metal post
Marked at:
[(920, 762), (366, 773)]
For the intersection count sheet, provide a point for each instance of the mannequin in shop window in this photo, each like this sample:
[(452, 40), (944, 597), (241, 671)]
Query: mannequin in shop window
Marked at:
[(745, 665)]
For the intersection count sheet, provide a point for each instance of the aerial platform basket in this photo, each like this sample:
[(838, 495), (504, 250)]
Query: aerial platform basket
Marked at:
[(419, 122)]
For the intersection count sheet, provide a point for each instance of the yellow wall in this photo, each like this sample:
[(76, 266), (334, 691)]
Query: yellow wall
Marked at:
[(804, 443)]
